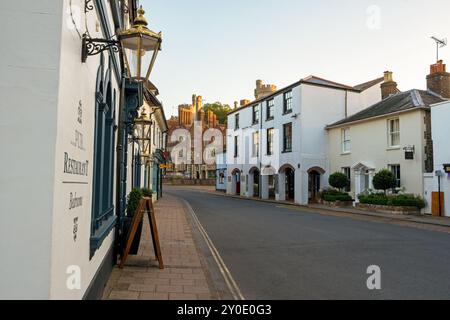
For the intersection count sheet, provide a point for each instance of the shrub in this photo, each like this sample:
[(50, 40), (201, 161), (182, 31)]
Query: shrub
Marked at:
[(338, 180), (407, 200), (133, 200), (338, 197), (403, 200), (384, 180), (332, 195), (148, 193), (376, 199)]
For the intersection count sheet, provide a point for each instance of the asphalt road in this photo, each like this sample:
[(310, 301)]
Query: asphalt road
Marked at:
[(282, 253)]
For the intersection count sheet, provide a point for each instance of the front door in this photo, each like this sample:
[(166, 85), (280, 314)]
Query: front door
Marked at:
[(314, 186), (238, 183), (290, 185), (256, 184)]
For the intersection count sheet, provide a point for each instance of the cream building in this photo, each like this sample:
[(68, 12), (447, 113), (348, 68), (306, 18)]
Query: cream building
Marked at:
[(393, 134)]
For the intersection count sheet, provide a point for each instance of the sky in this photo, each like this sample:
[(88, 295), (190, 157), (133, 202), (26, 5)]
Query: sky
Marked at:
[(218, 49)]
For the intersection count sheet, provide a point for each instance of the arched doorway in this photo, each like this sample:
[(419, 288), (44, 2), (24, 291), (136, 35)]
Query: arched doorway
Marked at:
[(290, 184), (314, 183), (236, 174), (287, 183), (254, 183), (269, 181)]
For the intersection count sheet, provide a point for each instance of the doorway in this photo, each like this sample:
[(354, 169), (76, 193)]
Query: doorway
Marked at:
[(290, 184), (314, 185)]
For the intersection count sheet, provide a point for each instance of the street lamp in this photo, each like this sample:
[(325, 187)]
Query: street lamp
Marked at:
[(142, 134), (140, 47)]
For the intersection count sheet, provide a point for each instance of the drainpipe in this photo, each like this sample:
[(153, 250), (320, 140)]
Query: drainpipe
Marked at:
[(346, 103), (260, 152)]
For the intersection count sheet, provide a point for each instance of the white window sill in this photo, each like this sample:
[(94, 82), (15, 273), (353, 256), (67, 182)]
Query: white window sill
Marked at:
[(393, 148), (346, 153)]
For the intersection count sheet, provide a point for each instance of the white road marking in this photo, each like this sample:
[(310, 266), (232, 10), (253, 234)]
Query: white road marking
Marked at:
[(229, 280)]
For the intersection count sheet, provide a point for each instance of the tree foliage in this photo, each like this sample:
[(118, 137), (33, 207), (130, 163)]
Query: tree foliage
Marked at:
[(339, 180), (384, 180), (219, 109)]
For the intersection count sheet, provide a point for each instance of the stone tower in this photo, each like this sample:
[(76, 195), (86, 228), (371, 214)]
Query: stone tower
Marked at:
[(264, 90)]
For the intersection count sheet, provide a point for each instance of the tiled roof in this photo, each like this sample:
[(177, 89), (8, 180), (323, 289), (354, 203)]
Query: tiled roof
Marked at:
[(317, 81), (399, 102), (325, 82), (366, 85)]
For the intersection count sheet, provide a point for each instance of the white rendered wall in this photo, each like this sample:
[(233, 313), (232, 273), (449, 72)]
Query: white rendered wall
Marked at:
[(440, 116), (77, 85), (30, 51)]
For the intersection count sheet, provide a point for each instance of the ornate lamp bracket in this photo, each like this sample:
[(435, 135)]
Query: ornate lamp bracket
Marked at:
[(94, 46), (88, 6)]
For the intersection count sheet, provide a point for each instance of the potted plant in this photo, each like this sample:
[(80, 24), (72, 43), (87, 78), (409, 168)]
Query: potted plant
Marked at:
[(133, 200)]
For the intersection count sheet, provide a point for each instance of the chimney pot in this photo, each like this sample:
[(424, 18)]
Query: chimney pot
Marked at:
[(389, 86), (438, 81), (388, 76)]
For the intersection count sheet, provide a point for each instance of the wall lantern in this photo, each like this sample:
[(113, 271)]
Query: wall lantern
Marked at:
[(142, 134), (140, 47), (409, 152), (447, 168)]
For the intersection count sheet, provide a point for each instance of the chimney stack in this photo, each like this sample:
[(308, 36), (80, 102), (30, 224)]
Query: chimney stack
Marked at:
[(244, 102), (236, 105), (438, 81), (389, 86)]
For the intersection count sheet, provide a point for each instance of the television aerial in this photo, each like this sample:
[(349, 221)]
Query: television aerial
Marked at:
[(440, 43)]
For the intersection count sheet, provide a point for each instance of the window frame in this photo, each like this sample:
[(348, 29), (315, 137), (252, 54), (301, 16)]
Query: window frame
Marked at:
[(270, 138), (255, 144), (236, 121), (348, 172), (391, 133), (287, 102), (285, 140), (346, 141), (255, 114), (397, 173), (270, 109), (103, 216), (236, 146)]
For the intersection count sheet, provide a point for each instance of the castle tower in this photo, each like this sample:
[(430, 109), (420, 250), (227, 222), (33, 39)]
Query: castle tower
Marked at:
[(264, 90)]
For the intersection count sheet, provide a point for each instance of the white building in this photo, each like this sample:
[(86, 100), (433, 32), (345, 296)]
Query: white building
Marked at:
[(63, 184), (277, 145), (440, 115), (393, 134), (221, 172)]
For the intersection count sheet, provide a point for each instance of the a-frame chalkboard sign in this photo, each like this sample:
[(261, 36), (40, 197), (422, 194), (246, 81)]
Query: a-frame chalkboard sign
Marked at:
[(146, 205)]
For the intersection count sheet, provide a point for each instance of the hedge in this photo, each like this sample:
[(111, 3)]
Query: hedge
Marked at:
[(403, 200), (339, 197)]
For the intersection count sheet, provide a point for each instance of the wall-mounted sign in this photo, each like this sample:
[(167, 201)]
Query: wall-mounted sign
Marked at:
[(409, 152)]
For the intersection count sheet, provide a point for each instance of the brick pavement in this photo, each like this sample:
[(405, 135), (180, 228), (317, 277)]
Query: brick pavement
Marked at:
[(185, 276)]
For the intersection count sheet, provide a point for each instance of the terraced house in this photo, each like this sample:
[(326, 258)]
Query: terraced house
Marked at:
[(277, 145), (393, 134)]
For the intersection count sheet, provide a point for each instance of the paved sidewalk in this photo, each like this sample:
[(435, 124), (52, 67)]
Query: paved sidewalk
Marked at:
[(185, 276)]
